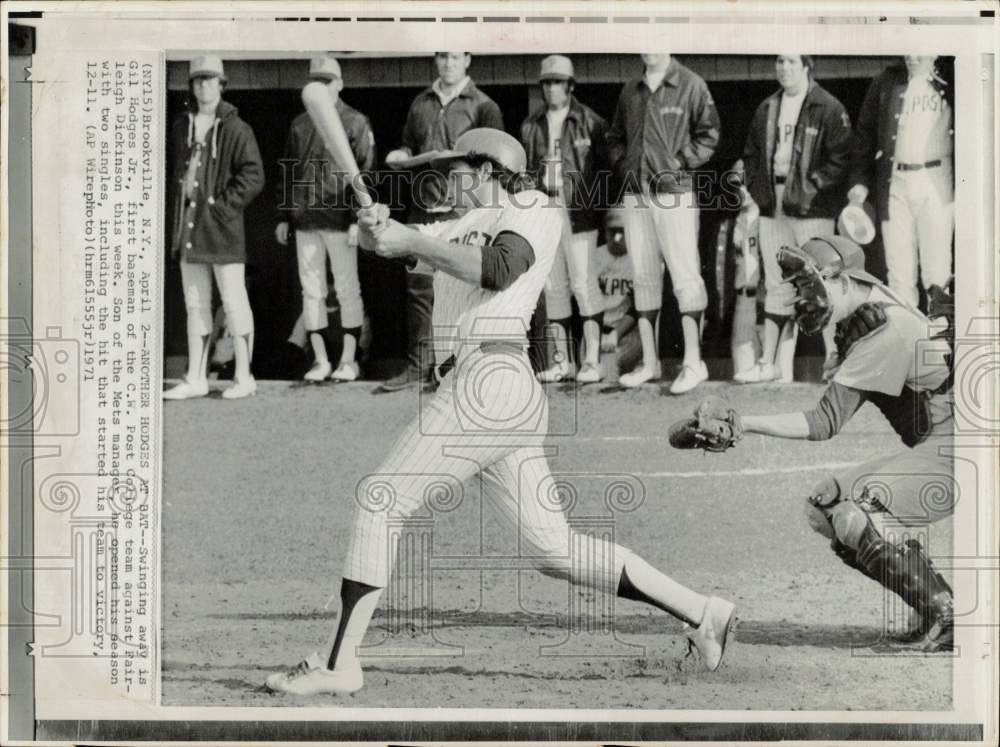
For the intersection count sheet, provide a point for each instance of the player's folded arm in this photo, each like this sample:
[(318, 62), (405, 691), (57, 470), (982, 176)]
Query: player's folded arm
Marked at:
[(835, 408), (505, 260)]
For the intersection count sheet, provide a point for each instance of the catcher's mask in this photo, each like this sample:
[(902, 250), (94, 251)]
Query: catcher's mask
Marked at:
[(809, 268)]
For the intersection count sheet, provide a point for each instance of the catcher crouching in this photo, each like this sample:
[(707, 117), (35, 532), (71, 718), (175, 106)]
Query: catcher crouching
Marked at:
[(899, 360)]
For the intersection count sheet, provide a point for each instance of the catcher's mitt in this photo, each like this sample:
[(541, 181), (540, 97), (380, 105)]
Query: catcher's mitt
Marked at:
[(715, 427), (868, 319)]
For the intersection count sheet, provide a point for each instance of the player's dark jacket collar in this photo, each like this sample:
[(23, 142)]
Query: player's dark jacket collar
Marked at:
[(672, 75), (576, 112), (470, 91)]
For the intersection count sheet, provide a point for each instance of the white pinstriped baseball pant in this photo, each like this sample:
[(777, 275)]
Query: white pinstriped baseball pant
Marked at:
[(489, 417), (312, 248), (667, 225), (574, 268), (784, 231)]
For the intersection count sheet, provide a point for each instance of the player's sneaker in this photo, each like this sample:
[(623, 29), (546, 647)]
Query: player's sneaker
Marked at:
[(320, 371), (241, 389), (589, 374), (759, 374), (346, 371), (555, 374), (409, 377), (690, 377), (639, 376), (311, 677), (710, 636), (187, 389)]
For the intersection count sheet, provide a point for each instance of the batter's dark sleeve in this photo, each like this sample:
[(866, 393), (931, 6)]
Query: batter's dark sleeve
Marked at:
[(837, 406), (705, 129), (505, 260), (865, 140), (835, 155)]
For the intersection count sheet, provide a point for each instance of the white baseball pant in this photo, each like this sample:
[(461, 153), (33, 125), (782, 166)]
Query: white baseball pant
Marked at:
[(667, 225), (919, 229), (312, 248), (197, 281), (784, 231), (489, 417), (573, 269)]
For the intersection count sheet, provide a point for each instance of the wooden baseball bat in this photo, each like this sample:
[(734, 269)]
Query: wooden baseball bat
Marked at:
[(323, 113)]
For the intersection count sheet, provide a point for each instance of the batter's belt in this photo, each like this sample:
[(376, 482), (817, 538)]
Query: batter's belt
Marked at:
[(487, 346)]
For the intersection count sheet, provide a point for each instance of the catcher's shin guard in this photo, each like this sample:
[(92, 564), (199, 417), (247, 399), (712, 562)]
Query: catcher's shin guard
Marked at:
[(907, 571)]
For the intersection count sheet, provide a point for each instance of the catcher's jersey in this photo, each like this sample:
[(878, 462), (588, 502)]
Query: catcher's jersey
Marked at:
[(902, 368), (464, 312)]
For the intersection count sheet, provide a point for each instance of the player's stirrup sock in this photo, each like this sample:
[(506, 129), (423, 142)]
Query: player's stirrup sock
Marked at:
[(647, 335), (357, 605), (351, 337), (318, 342), (641, 582), (197, 357)]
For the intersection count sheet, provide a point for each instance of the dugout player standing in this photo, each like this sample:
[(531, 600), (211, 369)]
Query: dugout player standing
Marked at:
[(795, 165), (566, 147), (665, 126), (316, 192), (438, 116), (488, 417), (217, 171), (896, 358), (903, 153)]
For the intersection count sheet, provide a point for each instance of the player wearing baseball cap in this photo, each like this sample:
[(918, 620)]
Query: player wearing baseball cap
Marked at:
[(664, 127), (314, 196), (489, 417), (899, 360), (903, 154), (217, 172), (795, 161), (567, 154)]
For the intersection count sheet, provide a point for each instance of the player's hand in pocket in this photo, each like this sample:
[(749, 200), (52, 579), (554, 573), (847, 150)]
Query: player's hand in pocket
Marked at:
[(281, 233)]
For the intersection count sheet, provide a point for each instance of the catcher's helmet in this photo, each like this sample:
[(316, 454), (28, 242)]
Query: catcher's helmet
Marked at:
[(819, 260), (486, 142)]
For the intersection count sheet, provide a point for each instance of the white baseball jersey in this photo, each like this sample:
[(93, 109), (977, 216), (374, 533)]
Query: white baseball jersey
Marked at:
[(788, 117), (924, 127), (464, 311)]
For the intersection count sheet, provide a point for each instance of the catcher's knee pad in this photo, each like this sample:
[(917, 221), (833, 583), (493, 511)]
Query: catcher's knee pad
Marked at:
[(819, 521), (826, 492), (850, 523)]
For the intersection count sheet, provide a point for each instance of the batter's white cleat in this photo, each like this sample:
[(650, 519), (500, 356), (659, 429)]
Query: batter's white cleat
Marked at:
[(187, 389), (346, 371), (241, 389), (555, 374), (639, 376), (689, 378), (710, 636), (589, 374), (311, 677), (320, 371)]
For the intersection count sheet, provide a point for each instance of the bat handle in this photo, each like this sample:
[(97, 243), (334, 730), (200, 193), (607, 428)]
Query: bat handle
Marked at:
[(361, 191)]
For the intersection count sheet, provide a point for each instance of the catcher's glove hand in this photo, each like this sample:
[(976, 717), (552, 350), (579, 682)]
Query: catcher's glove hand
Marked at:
[(715, 427), (867, 319)]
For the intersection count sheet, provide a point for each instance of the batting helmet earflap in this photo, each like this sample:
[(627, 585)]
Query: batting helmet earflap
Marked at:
[(485, 142)]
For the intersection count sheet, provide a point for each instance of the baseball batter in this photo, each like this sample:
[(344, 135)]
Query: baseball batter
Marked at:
[(903, 153), (489, 415), (896, 358)]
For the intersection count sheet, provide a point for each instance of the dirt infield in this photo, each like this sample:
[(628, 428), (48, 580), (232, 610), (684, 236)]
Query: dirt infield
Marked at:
[(258, 497)]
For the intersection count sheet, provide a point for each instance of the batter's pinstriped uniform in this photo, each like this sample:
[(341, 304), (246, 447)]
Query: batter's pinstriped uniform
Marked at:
[(489, 417)]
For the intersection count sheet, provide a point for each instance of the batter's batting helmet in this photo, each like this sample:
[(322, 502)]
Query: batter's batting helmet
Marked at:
[(485, 142)]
